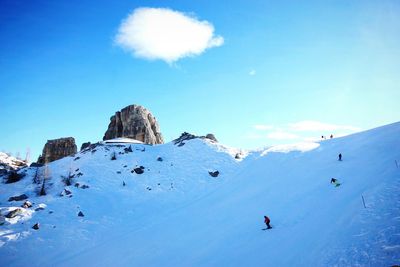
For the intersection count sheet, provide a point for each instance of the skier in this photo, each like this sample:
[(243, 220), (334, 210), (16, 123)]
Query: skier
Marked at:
[(335, 182), (340, 157), (267, 221), (331, 136)]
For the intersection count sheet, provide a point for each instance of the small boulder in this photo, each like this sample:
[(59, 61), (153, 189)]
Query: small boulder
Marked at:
[(138, 170), (18, 198), (80, 214), (36, 226), (211, 137), (214, 174), (159, 159), (84, 186), (27, 204)]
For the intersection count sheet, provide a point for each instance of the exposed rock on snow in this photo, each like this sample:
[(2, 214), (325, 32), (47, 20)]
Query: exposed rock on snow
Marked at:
[(36, 226), (211, 137), (27, 204), (57, 149), (18, 198), (14, 213), (80, 214), (139, 170), (187, 136), (13, 176), (134, 122), (214, 174), (85, 145)]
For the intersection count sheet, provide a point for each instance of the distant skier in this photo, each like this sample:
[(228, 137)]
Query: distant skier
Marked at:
[(340, 157), (335, 182), (267, 221), (331, 136)]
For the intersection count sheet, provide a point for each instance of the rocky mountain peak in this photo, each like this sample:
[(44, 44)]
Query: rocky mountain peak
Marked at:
[(57, 148), (134, 122)]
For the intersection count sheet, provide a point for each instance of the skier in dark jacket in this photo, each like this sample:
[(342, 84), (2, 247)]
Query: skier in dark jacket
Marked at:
[(340, 157), (267, 221)]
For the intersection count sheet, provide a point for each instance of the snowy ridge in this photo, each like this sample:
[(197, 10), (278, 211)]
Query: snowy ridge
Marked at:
[(9, 162), (176, 214)]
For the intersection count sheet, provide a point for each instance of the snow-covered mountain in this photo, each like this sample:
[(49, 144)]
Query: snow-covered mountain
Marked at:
[(196, 203), (8, 162)]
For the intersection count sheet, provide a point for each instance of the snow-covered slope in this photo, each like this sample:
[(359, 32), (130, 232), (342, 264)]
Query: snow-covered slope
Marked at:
[(8, 162), (177, 214)]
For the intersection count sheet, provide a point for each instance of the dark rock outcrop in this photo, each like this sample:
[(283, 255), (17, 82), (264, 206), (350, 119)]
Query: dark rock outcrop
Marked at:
[(139, 170), (18, 198), (36, 226), (214, 174), (85, 145), (134, 122), (27, 204), (211, 137), (57, 149), (14, 213), (187, 136)]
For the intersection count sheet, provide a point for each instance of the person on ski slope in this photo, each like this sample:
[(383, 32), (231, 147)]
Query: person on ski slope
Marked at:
[(267, 221)]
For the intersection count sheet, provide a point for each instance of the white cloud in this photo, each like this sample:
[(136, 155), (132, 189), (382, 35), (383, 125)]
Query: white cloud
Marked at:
[(252, 72), (161, 33), (320, 126), (280, 135), (263, 127)]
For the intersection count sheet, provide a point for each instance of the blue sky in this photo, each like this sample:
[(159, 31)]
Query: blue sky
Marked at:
[(283, 66)]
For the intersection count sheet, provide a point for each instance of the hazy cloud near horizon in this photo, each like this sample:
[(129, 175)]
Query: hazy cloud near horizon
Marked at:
[(165, 34)]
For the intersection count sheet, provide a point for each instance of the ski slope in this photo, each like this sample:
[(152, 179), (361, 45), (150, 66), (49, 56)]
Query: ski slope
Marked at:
[(176, 214)]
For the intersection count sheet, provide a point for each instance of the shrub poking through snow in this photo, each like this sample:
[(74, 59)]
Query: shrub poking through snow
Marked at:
[(68, 180)]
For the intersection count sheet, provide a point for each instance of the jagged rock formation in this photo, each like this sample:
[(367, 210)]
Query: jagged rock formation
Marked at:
[(57, 149), (134, 122), (187, 136), (211, 137), (85, 145)]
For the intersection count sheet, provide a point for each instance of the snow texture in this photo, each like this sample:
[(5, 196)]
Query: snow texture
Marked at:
[(176, 214)]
